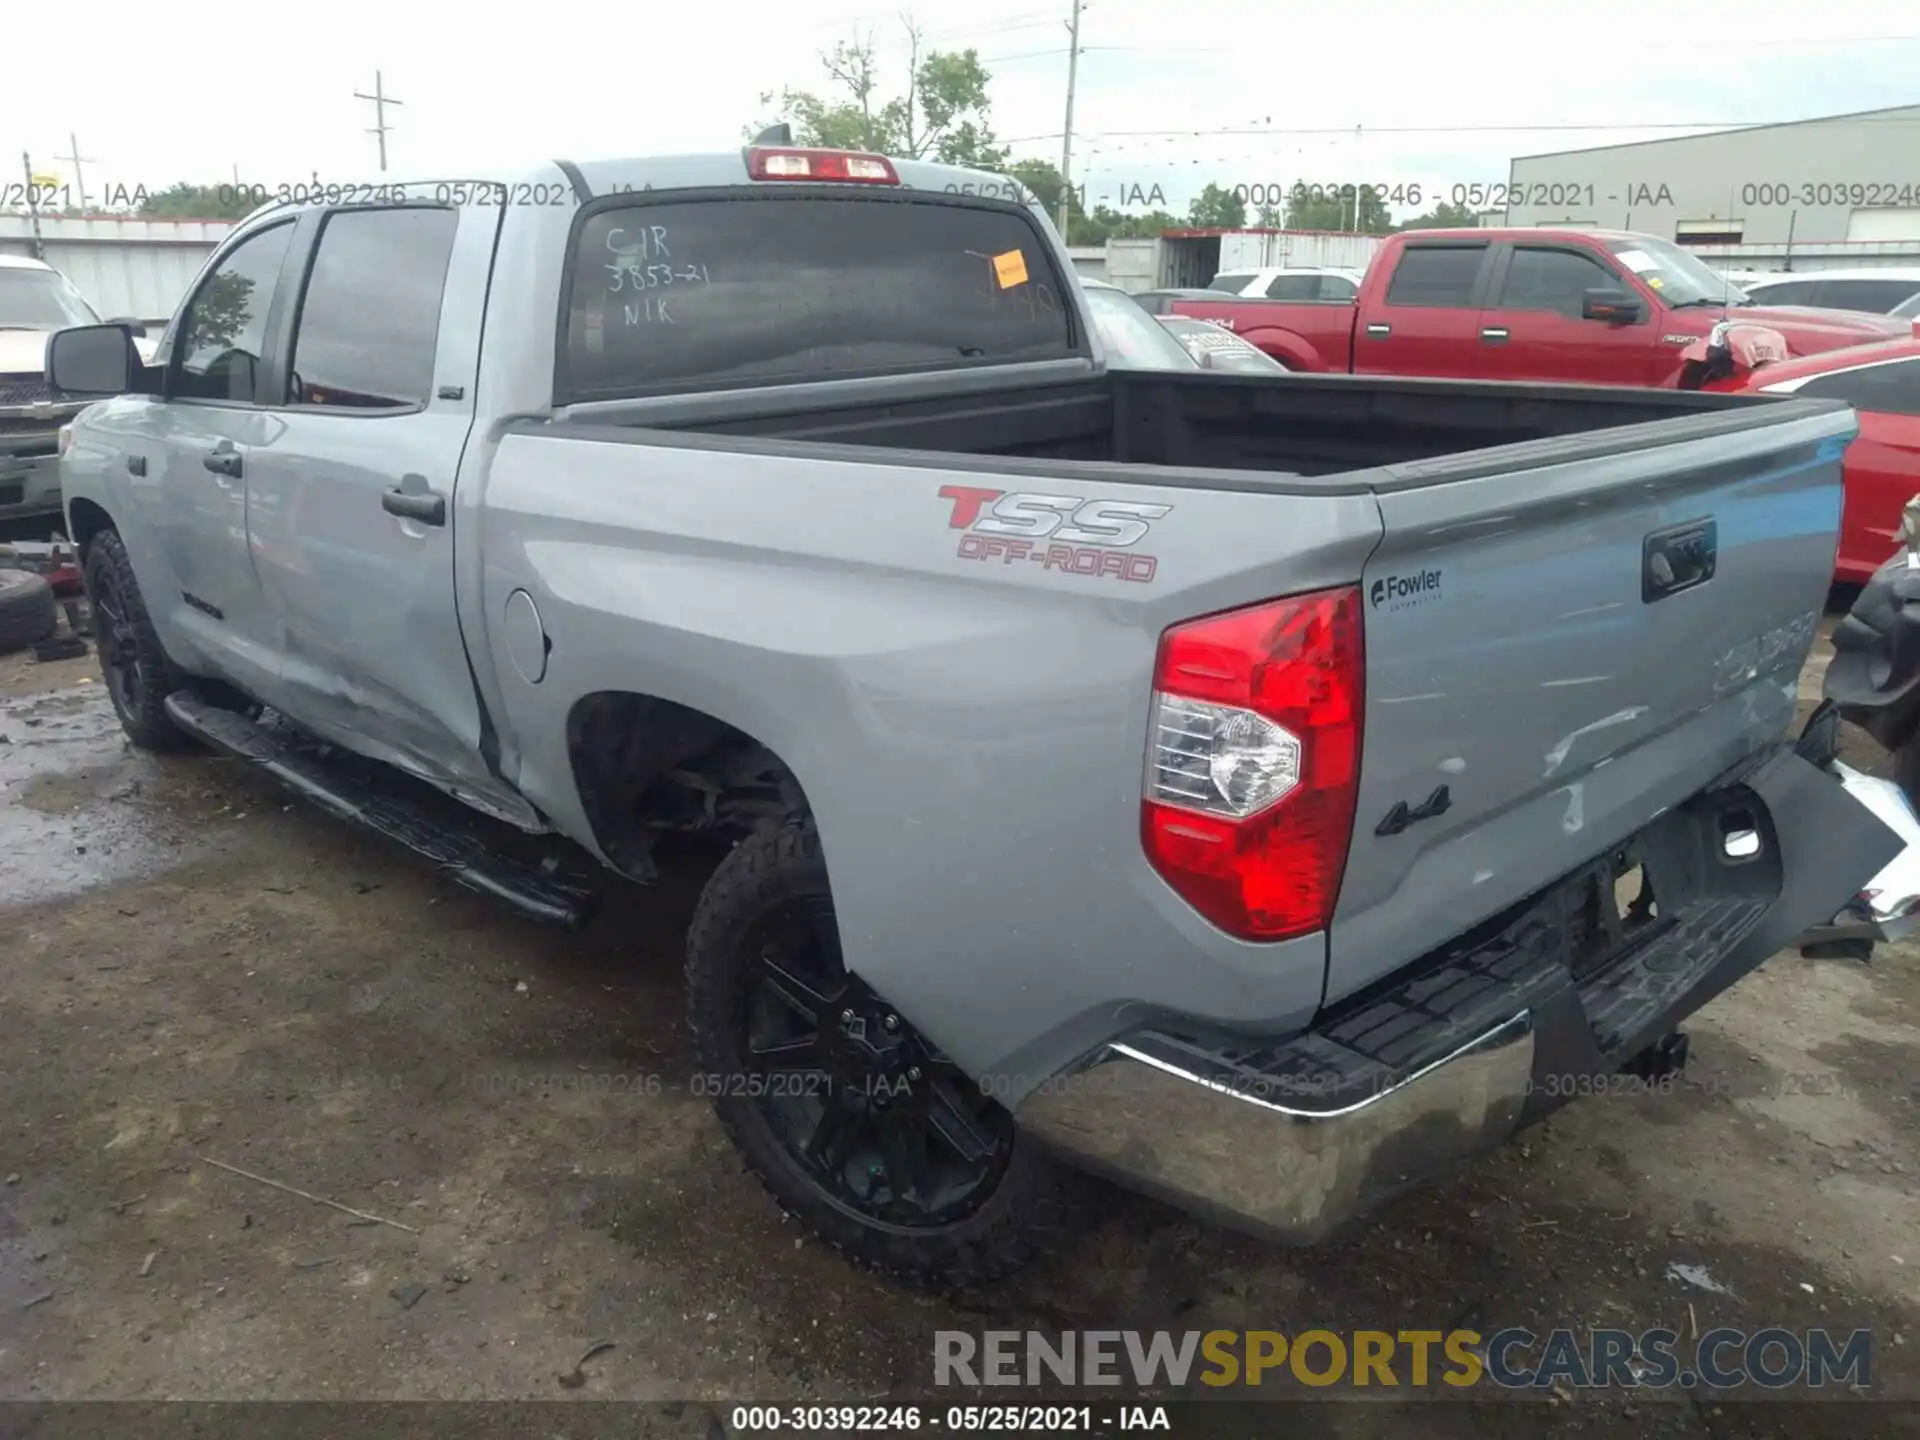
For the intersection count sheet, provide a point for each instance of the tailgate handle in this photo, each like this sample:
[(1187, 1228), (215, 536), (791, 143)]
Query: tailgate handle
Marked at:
[(1678, 558), (1494, 334)]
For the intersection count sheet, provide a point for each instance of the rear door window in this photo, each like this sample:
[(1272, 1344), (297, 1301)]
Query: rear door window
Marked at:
[(1294, 287), (1787, 292), (778, 288), (1874, 296), (1439, 276)]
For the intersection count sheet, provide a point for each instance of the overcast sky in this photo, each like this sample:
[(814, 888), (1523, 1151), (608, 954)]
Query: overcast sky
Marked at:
[(163, 93)]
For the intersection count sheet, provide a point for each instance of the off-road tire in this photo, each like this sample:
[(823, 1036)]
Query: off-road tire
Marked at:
[(1035, 1199), (141, 706), (28, 611)]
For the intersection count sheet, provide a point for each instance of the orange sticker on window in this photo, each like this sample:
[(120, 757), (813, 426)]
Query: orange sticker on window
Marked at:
[(1010, 269)]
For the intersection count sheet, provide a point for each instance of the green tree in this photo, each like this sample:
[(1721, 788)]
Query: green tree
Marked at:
[(222, 309), (944, 115), (1217, 209), (1309, 209), (182, 201), (1443, 216)]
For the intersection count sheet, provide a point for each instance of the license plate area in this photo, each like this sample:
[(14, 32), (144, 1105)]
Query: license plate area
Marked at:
[(1613, 909)]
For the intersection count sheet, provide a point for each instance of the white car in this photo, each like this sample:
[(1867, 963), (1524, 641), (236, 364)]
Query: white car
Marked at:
[(35, 301), (1879, 290), (1328, 284)]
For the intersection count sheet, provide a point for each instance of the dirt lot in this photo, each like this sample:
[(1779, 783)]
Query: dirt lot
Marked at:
[(198, 970)]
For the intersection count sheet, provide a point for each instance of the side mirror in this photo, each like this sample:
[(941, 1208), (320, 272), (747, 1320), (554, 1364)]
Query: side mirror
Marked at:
[(92, 360), (133, 327), (1616, 307)]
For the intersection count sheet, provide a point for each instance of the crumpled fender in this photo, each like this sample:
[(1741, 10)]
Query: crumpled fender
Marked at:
[(1733, 347)]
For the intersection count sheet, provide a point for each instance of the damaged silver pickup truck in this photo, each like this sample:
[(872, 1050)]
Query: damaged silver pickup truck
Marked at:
[(1265, 790)]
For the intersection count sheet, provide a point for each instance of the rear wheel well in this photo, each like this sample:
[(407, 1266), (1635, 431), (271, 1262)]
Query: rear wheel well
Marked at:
[(645, 766)]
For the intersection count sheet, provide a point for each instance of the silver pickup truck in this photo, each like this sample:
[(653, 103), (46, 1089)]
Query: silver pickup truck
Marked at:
[(1265, 790)]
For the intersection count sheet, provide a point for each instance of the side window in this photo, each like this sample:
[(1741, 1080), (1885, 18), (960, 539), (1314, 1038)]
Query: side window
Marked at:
[(1338, 290), (370, 316), (223, 327), (1439, 276), (1875, 296), (1555, 280), (1890, 389), (1294, 287), (1231, 283), (1787, 292)]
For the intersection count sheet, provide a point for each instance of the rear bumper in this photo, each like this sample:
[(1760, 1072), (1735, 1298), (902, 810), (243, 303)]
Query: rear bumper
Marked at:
[(1292, 1138)]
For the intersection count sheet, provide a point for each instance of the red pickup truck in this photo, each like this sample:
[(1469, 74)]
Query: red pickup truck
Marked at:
[(1599, 307)]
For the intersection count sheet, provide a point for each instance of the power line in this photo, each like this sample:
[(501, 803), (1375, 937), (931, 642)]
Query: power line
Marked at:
[(1258, 130)]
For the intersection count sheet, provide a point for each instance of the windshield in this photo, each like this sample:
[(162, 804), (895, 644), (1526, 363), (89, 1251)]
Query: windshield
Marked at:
[(1132, 338), (32, 299), (1676, 276)]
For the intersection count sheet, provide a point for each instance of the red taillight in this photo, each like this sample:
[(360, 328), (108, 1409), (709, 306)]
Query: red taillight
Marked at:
[(1253, 762), (846, 166)]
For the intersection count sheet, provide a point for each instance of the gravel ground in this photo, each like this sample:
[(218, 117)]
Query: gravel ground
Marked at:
[(198, 970)]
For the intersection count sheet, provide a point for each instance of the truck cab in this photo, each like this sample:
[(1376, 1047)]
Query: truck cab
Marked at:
[(1590, 307)]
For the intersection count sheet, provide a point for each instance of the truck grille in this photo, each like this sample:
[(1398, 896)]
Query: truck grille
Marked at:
[(24, 389)]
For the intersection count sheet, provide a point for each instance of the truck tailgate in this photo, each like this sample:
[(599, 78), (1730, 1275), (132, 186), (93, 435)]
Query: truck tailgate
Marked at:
[(1569, 647)]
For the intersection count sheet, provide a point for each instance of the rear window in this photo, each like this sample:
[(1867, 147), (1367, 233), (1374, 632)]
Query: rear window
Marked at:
[(1439, 275), (779, 288), (1231, 282)]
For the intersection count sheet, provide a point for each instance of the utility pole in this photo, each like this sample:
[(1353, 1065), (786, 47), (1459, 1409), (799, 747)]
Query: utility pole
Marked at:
[(1066, 143), (33, 208), (380, 100), (76, 159)]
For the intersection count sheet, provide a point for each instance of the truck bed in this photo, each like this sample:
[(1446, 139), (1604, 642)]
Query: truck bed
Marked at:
[(1305, 428)]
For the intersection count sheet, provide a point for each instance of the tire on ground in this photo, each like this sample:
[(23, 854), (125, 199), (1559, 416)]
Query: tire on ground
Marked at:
[(143, 715), (28, 611), (1035, 1199)]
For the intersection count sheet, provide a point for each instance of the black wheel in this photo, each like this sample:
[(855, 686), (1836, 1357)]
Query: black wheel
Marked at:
[(28, 611), (855, 1123), (138, 674)]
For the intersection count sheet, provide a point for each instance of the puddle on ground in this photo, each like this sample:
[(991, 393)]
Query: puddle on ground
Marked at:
[(79, 807)]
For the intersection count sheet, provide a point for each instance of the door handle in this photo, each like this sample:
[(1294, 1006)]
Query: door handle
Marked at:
[(136, 464), (429, 507), (1494, 334), (224, 462), (1379, 331)]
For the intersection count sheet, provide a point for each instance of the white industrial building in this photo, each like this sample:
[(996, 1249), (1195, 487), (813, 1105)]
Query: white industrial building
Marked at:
[(1840, 190)]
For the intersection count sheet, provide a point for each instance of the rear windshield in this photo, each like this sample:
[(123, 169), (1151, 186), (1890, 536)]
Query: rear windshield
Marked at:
[(777, 288)]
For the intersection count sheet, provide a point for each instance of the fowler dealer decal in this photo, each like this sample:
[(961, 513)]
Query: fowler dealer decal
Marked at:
[(1055, 532), (1402, 592)]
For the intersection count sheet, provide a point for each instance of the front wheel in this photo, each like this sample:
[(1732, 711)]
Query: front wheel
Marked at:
[(138, 674), (855, 1123)]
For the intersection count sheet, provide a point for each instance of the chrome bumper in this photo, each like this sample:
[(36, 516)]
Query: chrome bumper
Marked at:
[(1888, 906), (1204, 1138)]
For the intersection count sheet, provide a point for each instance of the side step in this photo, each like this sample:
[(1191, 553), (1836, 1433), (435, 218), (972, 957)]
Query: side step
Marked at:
[(327, 782)]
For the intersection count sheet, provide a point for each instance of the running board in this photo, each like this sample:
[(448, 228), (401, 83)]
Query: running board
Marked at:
[(309, 771)]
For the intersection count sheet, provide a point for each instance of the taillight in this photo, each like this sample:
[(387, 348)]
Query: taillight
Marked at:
[(841, 165), (1253, 762)]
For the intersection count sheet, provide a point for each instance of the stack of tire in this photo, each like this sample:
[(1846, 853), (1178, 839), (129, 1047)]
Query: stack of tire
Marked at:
[(28, 611)]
